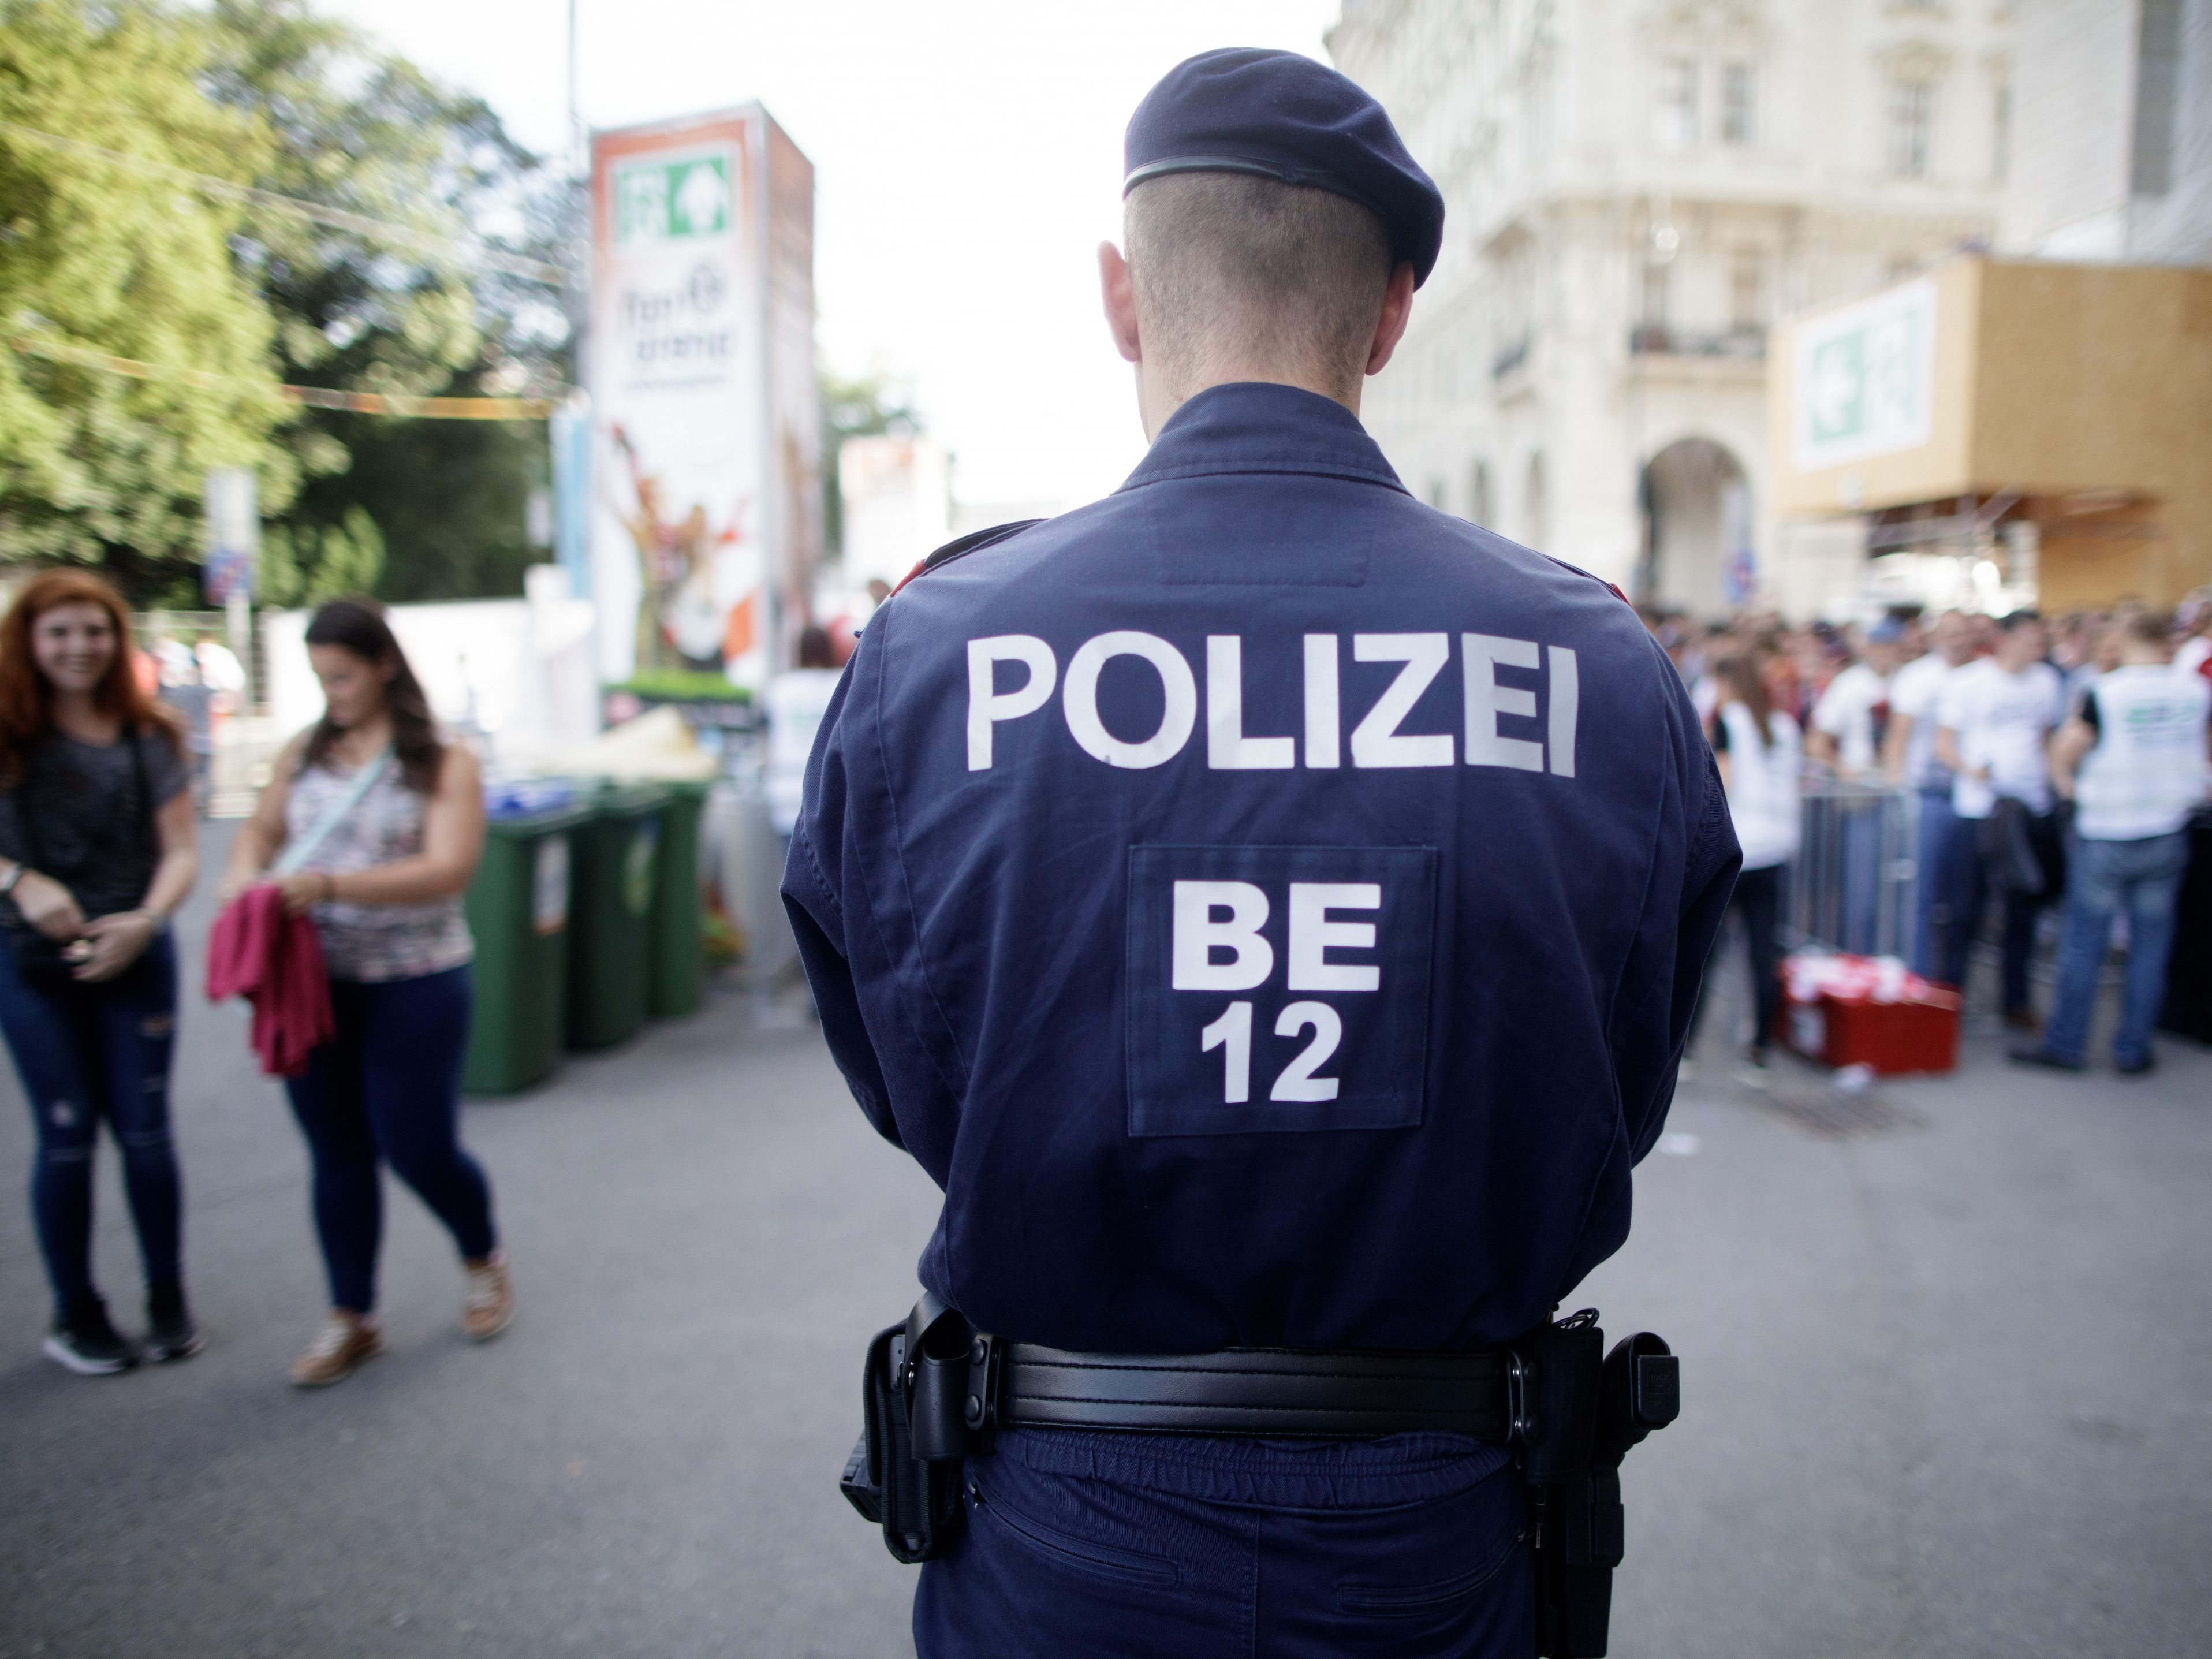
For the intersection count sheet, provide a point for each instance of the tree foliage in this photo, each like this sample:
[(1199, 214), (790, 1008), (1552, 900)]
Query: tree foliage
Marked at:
[(414, 311), (97, 467)]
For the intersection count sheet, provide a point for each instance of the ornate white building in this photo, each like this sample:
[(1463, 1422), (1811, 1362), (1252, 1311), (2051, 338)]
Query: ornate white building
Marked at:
[(1635, 188)]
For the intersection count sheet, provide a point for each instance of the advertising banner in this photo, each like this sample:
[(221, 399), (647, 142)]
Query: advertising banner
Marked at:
[(693, 531)]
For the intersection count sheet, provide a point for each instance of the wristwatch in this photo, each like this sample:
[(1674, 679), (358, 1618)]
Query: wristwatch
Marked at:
[(7, 882)]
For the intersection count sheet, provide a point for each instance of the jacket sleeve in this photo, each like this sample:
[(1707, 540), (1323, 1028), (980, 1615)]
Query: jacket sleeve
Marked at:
[(815, 898), (1693, 876)]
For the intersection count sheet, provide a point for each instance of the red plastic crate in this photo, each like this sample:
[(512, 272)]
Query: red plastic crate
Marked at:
[(1890, 1038)]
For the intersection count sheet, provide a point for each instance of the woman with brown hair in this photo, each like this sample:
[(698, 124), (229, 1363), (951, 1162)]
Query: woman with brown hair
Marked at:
[(1761, 756), (385, 823), (97, 848)]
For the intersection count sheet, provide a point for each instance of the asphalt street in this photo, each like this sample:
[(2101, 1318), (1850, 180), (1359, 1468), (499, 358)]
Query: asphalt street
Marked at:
[(1948, 1376)]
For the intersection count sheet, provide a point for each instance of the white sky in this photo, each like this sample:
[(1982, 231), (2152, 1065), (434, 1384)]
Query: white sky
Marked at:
[(967, 162)]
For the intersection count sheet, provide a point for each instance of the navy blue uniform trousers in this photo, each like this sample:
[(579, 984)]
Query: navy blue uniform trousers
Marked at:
[(1159, 1546)]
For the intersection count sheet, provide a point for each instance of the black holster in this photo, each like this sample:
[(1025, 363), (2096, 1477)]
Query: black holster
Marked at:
[(927, 1395), (1574, 1415)]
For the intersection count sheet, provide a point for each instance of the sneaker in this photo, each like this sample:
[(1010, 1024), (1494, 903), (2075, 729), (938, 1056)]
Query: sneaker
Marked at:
[(83, 1341), (2037, 1055), (1753, 1071), (2142, 1068), (2023, 1019), (170, 1332), (345, 1341), (488, 1303)]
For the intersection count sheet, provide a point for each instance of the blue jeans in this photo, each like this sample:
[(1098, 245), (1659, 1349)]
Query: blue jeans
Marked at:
[(1142, 1545), (387, 1088), (2016, 942), (1943, 879), (2103, 878), (88, 1054)]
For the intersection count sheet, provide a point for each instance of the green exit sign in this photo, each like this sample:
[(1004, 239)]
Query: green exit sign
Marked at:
[(667, 201)]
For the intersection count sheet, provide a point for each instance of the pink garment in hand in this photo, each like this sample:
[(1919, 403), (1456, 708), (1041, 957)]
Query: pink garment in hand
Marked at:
[(276, 963)]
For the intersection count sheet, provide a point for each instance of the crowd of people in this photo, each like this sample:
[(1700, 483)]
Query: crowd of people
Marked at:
[(2048, 763), (370, 829)]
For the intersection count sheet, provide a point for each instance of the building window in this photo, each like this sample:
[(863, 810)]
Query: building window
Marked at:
[(1478, 494), (1678, 104), (1912, 128), (1748, 293), (2158, 69), (1738, 105)]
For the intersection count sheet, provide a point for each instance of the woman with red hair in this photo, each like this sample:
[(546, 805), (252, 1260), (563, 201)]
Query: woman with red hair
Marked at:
[(97, 848)]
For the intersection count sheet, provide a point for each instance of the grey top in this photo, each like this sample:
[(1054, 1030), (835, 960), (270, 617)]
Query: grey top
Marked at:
[(95, 831)]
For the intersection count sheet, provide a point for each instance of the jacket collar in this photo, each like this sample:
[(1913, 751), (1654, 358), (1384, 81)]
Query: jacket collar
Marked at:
[(1257, 426)]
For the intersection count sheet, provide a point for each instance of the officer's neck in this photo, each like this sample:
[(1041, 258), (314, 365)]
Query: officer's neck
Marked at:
[(1161, 393)]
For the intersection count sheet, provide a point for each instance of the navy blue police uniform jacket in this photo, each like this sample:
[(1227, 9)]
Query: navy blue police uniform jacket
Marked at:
[(1269, 907)]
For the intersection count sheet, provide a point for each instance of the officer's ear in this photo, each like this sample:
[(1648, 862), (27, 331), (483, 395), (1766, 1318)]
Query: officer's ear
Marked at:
[(1119, 292), (1390, 326)]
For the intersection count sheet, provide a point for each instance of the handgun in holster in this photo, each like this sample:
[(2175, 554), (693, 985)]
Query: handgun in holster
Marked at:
[(1576, 1412)]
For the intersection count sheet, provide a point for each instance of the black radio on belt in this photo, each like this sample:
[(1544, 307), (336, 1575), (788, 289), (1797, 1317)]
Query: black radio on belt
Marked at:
[(936, 1390)]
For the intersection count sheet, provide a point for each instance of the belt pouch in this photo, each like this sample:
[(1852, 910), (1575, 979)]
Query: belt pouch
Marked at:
[(915, 1499), (1574, 1511)]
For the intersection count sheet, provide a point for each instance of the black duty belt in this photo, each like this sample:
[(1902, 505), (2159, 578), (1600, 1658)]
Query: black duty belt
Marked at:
[(1256, 1393), (936, 1390)]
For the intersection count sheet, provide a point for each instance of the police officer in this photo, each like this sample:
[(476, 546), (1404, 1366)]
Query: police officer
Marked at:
[(1270, 909)]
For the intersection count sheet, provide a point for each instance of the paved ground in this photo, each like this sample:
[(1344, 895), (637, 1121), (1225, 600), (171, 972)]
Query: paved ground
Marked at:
[(1948, 1390)]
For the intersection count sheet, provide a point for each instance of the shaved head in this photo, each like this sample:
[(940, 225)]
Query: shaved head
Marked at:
[(1230, 269)]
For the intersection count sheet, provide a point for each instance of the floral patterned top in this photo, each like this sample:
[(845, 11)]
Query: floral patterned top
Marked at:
[(374, 943)]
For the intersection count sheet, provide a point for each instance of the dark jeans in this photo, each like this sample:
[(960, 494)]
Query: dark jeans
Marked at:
[(1758, 901), (1102, 1543), (89, 1054), (2104, 877), (1972, 867), (388, 1087), (1942, 881)]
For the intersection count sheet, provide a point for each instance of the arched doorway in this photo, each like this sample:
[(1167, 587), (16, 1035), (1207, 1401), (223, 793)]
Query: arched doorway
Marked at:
[(1696, 528)]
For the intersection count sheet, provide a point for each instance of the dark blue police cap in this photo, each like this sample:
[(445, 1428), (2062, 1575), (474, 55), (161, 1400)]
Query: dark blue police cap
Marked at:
[(1284, 116)]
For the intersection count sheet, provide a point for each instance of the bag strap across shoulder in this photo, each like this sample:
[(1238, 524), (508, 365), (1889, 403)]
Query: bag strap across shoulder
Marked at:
[(299, 852)]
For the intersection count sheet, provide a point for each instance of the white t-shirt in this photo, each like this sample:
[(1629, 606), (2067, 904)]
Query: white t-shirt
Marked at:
[(2190, 659), (2147, 773), (1766, 798), (2001, 721), (1913, 694), (1855, 711), (795, 703)]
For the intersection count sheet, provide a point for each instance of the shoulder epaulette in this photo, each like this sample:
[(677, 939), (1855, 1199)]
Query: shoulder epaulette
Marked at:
[(1612, 588), (967, 543)]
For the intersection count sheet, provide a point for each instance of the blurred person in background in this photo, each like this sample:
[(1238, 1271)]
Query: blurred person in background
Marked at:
[(2192, 628), (1994, 720), (2132, 757), (795, 703), (1760, 752), (183, 690), (98, 848), (1851, 718), (1849, 724), (1911, 762), (400, 815)]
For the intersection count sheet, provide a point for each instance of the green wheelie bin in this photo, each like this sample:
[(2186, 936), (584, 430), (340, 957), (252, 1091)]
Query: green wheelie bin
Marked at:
[(616, 851), (518, 912), (678, 944)]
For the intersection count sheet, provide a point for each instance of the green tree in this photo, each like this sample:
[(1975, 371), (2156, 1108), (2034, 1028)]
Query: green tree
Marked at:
[(97, 467), (413, 309), (863, 408)]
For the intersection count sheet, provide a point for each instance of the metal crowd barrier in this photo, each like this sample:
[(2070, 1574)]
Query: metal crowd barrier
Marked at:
[(1855, 883)]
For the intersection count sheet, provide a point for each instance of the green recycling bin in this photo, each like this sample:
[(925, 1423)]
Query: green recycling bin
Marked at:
[(616, 852), (518, 912), (678, 944)]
